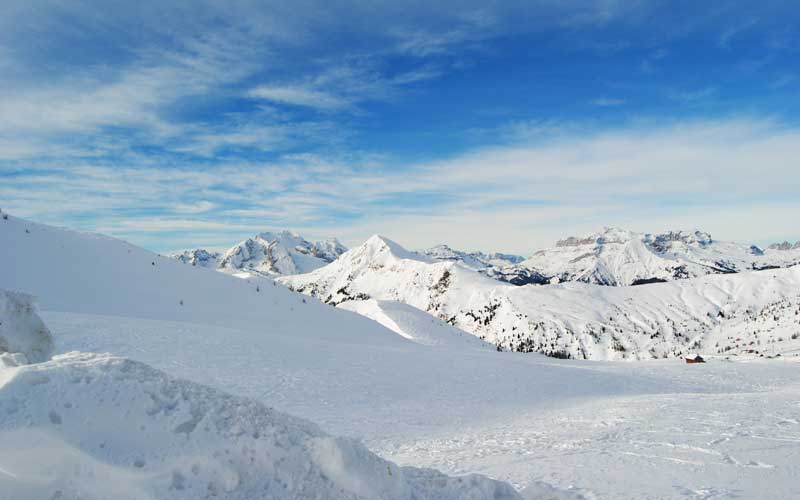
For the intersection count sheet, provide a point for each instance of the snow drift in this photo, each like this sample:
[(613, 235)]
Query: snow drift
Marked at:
[(21, 329)]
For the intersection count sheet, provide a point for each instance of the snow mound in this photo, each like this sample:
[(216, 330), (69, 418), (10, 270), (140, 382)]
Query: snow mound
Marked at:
[(96, 426), (21, 329)]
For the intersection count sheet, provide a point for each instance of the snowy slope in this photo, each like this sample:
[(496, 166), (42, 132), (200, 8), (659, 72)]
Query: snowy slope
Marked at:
[(94, 426), (89, 273), (619, 257), (413, 324), (734, 313), (267, 254)]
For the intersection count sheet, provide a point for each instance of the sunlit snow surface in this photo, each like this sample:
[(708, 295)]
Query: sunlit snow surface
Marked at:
[(659, 429)]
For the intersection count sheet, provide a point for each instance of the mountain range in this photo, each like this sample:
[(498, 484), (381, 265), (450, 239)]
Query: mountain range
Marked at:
[(611, 257), (751, 312)]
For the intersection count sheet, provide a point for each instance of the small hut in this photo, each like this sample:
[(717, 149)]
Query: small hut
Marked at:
[(695, 359)]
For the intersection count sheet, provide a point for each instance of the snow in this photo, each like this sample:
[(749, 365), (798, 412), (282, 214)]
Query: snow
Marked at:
[(87, 273), (21, 329), (413, 324), (95, 426), (553, 428)]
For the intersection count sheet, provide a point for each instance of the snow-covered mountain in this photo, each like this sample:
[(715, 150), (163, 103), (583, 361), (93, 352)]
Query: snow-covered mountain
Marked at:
[(473, 260), (499, 266), (199, 257), (267, 254), (734, 313), (785, 246), (619, 257)]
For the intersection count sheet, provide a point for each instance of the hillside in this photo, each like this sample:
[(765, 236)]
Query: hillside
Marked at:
[(750, 313), (95, 274)]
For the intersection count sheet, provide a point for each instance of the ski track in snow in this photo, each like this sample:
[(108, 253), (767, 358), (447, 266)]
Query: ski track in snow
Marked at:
[(599, 430)]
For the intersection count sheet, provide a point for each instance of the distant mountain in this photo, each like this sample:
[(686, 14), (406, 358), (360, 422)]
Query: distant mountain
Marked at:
[(617, 257), (268, 254), (784, 246), (749, 313), (473, 260), (499, 266), (200, 257)]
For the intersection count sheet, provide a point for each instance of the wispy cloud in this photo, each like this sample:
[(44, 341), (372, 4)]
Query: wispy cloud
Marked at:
[(516, 197), (299, 96), (606, 102)]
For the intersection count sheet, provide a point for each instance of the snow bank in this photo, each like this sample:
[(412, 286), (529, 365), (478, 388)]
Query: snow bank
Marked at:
[(22, 331), (95, 426)]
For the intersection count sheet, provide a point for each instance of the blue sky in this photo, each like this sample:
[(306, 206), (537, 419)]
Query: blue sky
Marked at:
[(487, 125)]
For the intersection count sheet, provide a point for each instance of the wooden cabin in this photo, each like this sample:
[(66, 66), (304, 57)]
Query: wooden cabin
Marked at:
[(696, 359)]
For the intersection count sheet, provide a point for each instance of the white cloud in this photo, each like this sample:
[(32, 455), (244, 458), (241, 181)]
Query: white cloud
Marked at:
[(608, 102), (299, 96), (515, 198)]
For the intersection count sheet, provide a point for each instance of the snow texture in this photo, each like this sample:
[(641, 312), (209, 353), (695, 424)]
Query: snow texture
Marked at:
[(88, 426)]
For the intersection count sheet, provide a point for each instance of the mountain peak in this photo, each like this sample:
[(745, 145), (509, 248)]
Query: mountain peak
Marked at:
[(377, 244)]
